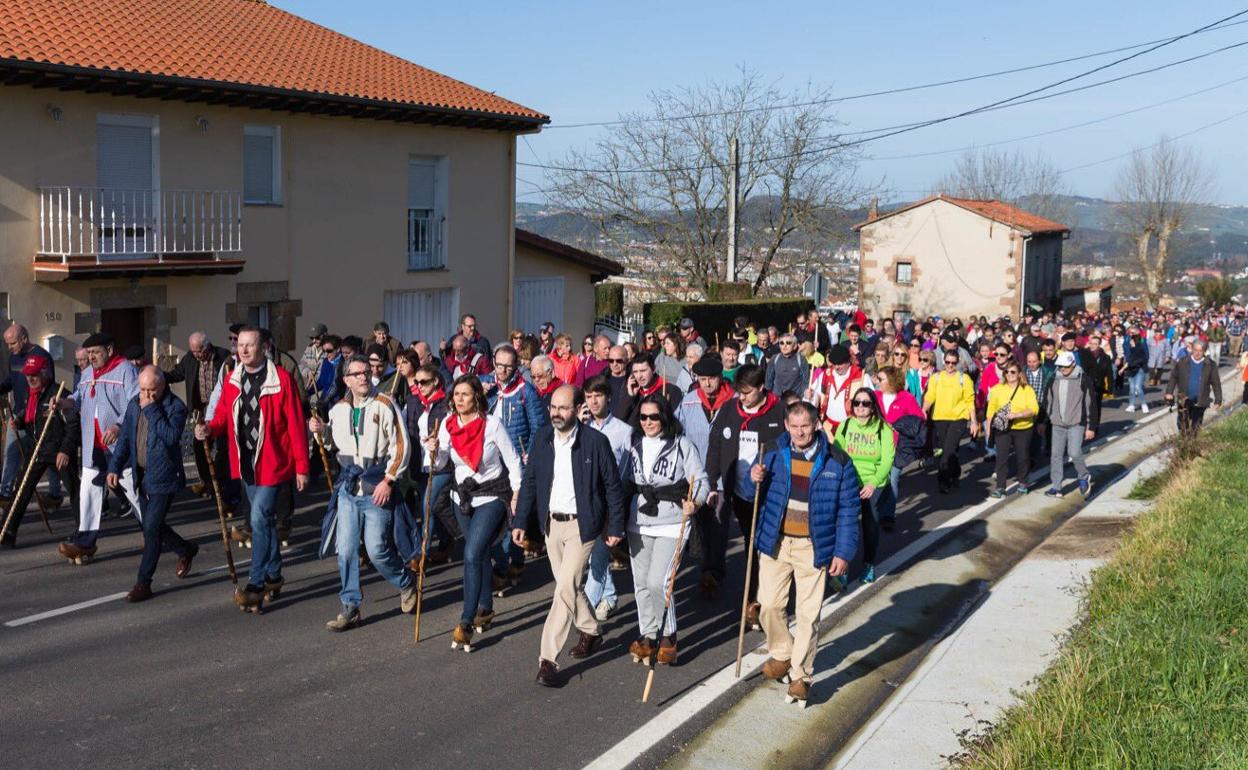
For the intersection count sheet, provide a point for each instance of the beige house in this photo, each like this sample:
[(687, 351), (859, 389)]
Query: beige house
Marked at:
[(555, 282), (957, 257), (172, 166)]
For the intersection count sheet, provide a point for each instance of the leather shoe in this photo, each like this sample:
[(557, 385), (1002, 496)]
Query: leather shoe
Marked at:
[(586, 646), (140, 593), (184, 562), (547, 674)]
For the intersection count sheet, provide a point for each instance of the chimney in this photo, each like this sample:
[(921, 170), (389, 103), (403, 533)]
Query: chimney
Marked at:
[(873, 212)]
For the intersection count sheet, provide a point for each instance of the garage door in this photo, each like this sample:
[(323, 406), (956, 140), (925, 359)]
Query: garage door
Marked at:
[(427, 314), (538, 300)]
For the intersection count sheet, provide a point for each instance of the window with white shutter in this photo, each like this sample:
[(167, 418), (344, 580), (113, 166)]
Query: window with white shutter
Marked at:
[(262, 165), (425, 218)]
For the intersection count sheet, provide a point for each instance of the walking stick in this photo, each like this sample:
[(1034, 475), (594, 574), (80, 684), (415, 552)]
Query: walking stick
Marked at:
[(667, 597), (749, 566), (216, 493), (26, 462), (4, 530), (424, 539)]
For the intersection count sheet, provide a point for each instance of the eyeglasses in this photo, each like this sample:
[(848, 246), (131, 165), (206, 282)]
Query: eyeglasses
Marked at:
[(425, 381), (508, 367), (1003, 355), (1011, 371), (899, 354), (864, 404), (356, 374), (786, 342), (915, 345), (517, 337), (617, 360), (648, 417), (951, 362)]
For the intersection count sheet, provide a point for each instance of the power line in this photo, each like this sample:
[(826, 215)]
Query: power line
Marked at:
[(902, 89)]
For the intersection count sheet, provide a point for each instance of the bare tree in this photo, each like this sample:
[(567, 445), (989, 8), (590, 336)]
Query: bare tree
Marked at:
[(1032, 182), (656, 185), (1156, 192)]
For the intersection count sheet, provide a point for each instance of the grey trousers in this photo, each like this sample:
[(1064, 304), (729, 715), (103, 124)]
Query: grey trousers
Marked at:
[(651, 559), (1066, 442)]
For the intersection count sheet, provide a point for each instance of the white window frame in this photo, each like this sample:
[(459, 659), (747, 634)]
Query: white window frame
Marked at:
[(273, 132), (909, 279), (437, 216)]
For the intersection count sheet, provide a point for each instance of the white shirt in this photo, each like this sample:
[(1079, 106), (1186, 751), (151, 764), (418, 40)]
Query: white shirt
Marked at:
[(650, 450), (618, 433), (496, 455), (562, 488)]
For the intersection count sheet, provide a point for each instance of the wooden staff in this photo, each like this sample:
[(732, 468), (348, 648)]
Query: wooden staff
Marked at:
[(424, 538), (26, 461), (4, 530), (749, 566), (216, 493), (667, 597)]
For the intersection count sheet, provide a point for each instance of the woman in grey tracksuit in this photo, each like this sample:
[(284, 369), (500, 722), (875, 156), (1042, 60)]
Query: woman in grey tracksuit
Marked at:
[(667, 482)]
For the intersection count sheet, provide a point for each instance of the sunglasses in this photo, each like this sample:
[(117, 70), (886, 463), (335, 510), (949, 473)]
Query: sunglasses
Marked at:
[(899, 354), (356, 374), (517, 337), (648, 417), (425, 381), (864, 404), (617, 360), (1003, 355), (915, 345)]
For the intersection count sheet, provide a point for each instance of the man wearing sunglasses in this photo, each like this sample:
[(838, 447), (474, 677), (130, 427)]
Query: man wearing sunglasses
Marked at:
[(787, 370), (617, 375)]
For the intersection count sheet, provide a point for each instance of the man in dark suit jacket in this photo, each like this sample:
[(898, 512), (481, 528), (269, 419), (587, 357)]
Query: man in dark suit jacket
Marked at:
[(571, 488), (150, 445), (1195, 382), (200, 369)]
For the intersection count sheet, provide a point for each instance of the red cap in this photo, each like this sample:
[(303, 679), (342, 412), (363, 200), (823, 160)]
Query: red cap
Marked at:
[(34, 365)]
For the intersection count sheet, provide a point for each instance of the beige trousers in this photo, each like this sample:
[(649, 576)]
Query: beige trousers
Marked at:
[(568, 559), (795, 560)]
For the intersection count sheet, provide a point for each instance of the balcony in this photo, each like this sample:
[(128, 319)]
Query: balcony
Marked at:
[(89, 232), (424, 240)]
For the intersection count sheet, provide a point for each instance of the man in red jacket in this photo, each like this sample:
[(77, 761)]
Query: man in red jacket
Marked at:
[(260, 413)]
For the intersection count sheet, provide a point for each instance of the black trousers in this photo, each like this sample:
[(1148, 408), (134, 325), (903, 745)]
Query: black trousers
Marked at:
[(1191, 417), (946, 436), (69, 477), (1018, 441)]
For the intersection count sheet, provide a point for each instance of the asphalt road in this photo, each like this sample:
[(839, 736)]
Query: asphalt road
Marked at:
[(186, 680)]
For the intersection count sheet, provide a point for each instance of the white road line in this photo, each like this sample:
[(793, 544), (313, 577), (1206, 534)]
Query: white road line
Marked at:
[(64, 610)]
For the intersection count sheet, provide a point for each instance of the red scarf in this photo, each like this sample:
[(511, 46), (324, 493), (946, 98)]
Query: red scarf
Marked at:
[(654, 388), (510, 388), (112, 364), (468, 440), (434, 397), (722, 396), (32, 407), (555, 382), (771, 401)]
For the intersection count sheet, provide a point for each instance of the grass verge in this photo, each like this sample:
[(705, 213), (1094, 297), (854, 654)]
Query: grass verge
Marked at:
[(1156, 676)]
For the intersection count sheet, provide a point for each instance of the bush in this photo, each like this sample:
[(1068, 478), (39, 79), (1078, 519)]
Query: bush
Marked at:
[(608, 299), (711, 317), (717, 291), (1215, 291)]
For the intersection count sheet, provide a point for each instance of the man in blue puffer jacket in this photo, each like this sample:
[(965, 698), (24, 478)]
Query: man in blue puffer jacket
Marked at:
[(807, 526)]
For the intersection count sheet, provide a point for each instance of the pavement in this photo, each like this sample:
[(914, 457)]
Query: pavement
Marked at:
[(186, 680)]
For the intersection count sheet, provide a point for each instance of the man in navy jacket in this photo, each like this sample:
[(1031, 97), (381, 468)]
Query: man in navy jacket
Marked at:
[(150, 445), (807, 529), (571, 489)]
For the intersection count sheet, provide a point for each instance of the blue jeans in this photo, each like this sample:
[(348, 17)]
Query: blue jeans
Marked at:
[(266, 555), (358, 514), (887, 507), (599, 584), (479, 530), (1135, 385), (157, 535)]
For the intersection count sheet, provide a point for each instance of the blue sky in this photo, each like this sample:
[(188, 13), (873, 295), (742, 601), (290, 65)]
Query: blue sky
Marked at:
[(590, 61)]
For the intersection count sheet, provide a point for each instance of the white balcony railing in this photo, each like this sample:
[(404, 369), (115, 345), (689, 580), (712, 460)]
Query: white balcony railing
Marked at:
[(424, 240), (111, 224)]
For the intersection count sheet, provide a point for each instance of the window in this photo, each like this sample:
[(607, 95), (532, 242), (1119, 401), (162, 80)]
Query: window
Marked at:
[(901, 317), (258, 316), (425, 220), (262, 163), (904, 272), (4, 307)]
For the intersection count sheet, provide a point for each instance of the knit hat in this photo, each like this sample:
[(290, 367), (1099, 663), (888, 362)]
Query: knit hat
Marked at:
[(98, 340), (708, 366), (838, 355)]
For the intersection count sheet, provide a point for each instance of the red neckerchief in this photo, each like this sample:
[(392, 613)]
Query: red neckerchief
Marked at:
[(468, 441), (828, 374), (722, 396), (112, 364), (771, 401), (434, 397), (555, 382), (654, 388), (509, 390), (32, 406)]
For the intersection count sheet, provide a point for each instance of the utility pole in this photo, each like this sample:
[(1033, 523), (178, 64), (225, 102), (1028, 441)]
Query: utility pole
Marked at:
[(734, 166)]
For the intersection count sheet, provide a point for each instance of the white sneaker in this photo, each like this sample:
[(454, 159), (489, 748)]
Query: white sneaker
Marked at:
[(1130, 408), (1144, 408), (603, 611)]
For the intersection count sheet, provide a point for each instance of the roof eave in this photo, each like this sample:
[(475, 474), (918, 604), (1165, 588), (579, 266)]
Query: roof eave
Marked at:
[(601, 265), (150, 85)]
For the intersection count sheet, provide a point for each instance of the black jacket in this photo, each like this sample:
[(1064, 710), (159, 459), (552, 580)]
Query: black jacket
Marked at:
[(600, 502), (627, 407), (1210, 382), (187, 371), (58, 438), (1098, 366), (721, 450), (411, 420)]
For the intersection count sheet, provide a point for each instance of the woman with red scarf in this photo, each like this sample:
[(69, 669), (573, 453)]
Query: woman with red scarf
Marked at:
[(563, 359), (485, 484), (426, 409), (740, 434)]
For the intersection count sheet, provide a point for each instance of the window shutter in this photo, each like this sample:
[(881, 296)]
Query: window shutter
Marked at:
[(258, 168), (420, 185)]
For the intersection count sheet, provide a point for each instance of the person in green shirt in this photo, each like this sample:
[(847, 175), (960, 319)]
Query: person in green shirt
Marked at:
[(871, 444), (730, 354)]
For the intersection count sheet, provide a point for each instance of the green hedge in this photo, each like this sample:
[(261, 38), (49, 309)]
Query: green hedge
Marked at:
[(718, 291), (608, 299), (712, 317)]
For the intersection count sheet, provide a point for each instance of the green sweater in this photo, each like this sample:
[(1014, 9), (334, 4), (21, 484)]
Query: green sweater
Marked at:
[(870, 447)]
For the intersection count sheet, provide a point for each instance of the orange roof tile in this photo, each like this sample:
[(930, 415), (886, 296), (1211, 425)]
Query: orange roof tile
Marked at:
[(992, 209), (246, 42)]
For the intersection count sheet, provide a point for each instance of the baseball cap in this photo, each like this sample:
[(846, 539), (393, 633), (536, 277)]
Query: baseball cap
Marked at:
[(318, 330), (1065, 358), (34, 365), (685, 323)]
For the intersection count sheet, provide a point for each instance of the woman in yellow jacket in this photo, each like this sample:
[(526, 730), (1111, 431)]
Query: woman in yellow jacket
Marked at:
[(1016, 401), (950, 398)]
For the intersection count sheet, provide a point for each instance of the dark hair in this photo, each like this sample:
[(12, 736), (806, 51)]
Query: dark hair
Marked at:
[(478, 392), (671, 428), (353, 342), (598, 384), (805, 408), (433, 370), (377, 350), (381, 326), (332, 339), (731, 343), (355, 359), (408, 355), (875, 405), (751, 375), (642, 358)]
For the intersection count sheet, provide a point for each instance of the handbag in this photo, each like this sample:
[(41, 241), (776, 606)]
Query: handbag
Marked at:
[(1000, 418)]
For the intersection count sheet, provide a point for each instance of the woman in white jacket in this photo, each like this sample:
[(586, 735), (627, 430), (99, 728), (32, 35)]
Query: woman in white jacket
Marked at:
[(484, 491), (667, 483)]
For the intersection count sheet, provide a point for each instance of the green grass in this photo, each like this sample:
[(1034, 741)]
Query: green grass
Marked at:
[(1148, 488), (1157, 674)]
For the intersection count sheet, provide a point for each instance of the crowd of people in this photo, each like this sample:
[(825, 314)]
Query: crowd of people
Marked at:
[(607, 456)]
